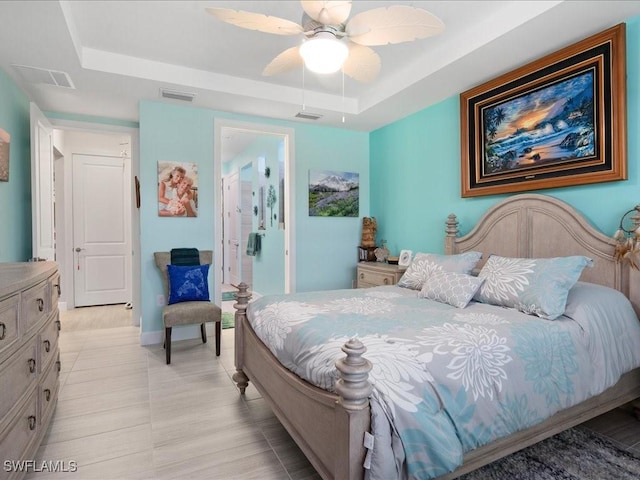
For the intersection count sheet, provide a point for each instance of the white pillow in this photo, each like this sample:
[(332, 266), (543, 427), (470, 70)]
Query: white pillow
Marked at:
[(426, 264), (537, 286), (455, 289)]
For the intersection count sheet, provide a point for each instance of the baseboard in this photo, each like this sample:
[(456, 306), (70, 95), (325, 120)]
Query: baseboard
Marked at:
[(186, 332)]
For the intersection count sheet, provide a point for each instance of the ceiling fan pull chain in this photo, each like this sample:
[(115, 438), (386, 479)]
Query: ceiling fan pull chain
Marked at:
[(303, 106), (342, 95)]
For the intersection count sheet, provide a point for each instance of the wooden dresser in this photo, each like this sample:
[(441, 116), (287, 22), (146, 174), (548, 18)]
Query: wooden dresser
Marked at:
[(373, 274), (29, 359)]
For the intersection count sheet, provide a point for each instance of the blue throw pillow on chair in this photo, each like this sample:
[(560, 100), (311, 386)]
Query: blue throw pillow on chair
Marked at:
[(188, 283)]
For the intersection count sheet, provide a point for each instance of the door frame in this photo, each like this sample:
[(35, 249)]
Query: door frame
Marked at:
[(288, 135), (64, 234)]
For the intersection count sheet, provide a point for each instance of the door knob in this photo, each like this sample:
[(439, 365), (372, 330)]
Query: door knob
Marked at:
[(78, 249)]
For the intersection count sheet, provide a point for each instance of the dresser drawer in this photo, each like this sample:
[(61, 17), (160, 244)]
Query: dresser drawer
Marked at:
[(375, 278), (54, 290), (48, 342), (9, 308), (48, 392), (35, 306), (17, 375), (15, 440)]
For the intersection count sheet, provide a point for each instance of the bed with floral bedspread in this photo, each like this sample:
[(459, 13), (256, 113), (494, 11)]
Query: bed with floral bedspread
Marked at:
[(447, 380)]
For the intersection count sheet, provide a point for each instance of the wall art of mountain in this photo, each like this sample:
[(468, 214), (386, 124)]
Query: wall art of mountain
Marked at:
[(334, 194)]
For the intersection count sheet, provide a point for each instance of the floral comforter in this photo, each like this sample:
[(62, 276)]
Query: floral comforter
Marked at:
[(446, 380)]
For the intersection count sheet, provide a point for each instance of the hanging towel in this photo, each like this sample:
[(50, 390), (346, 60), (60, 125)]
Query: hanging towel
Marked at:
[(253, 244), (185, 256)]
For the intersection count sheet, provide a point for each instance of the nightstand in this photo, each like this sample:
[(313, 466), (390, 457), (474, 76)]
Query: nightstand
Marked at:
[(373, 274)]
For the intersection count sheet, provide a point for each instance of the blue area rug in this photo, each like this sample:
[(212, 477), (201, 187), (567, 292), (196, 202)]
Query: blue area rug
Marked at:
[(575, 454)]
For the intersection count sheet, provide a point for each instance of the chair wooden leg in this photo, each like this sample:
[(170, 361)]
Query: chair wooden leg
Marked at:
[(203, 332), (218, 335), (167, 342)]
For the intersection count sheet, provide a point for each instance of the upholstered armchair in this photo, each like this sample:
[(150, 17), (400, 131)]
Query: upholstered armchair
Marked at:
[(187, 312)]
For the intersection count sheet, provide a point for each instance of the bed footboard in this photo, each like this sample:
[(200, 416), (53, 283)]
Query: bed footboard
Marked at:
[(328, 428)]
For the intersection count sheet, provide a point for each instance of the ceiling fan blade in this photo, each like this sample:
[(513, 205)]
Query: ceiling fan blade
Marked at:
[(362, 64), (287, 60), (256, 21), (395, 24), (327, 12)]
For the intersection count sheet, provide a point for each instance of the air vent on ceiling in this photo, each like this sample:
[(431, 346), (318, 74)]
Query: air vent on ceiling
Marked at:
[(44, 76), (308, 115), (175, 95)]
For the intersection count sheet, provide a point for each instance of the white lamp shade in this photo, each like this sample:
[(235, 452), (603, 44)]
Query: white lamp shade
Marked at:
[(324, 53)]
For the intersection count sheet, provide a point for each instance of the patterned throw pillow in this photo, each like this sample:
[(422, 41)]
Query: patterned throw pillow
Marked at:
[(456, 289), (536, 286), (188, 283), (426, 264)]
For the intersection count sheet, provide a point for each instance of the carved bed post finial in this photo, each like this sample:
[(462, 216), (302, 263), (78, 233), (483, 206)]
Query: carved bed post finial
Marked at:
[(353, 385), (242, 301), (452, 233)]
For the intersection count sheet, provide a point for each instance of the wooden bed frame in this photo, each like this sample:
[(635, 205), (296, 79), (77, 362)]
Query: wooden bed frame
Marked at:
[(329, 428)]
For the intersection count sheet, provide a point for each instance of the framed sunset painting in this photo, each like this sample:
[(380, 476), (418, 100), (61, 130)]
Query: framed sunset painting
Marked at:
[(556, 122)]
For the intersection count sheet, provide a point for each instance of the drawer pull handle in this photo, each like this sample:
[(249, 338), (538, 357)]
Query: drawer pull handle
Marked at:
[(47, 345), (47, 394), (386, 281), (59, 365), (59, 325), (362, 276), (32, 422), (40, 304), (3, 331), (32, 365), (58, 287)]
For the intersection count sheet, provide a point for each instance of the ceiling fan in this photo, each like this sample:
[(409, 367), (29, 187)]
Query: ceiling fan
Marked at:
[(326, 25)]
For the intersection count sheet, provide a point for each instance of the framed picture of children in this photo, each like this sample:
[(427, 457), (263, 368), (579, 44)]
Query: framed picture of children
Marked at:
[(177, 189)]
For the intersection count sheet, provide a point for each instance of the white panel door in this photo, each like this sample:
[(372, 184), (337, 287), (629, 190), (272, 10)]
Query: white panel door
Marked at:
[(232, 213), (101, 230), (42, 193)]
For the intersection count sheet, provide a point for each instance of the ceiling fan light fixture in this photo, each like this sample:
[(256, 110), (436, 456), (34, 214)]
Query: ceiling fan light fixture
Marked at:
[(324, 53)]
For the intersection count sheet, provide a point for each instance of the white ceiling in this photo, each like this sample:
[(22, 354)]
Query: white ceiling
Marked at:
[(120, 52)]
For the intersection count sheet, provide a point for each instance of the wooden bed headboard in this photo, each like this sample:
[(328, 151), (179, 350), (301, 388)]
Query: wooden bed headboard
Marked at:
[(539, 226)]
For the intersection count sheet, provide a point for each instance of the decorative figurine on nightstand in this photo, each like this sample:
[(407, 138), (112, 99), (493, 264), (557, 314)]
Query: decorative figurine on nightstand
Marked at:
[(368, 241), (369, 228), (382, 253)]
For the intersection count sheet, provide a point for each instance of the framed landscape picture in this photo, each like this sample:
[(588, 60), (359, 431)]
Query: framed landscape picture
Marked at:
[(556, 122), (5, 141), (334, 194)]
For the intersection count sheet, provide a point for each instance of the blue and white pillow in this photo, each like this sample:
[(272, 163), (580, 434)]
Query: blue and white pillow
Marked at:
[(536, 286), (188, 283), (455, 289), (426, 264)]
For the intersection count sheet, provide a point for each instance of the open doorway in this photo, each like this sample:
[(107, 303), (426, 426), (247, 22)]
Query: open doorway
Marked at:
[(97, 231), (254, 166)]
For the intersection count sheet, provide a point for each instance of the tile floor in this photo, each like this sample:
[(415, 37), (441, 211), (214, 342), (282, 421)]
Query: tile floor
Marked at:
[(123, 413)]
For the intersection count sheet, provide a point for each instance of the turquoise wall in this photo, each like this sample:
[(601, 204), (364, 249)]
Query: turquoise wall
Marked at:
[(268, 264), (15, 195), (326, 247), (415, 173)]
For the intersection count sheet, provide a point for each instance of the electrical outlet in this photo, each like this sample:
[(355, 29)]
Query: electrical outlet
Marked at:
[(160, 300)]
